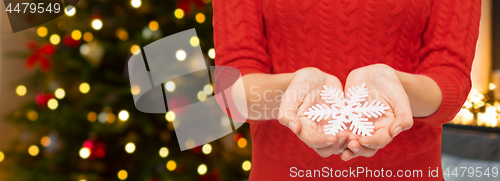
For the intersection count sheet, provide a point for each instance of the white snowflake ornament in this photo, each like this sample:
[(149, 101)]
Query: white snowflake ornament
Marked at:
[(347, 110)]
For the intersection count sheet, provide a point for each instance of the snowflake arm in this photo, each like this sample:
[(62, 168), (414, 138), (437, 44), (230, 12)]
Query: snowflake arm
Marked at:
[(357, 93), (362, 127), (334, 126), (331, 95), (372, 109), (318, 112)]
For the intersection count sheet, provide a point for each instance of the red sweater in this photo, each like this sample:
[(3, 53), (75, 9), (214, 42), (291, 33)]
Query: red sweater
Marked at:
[(435, 38)]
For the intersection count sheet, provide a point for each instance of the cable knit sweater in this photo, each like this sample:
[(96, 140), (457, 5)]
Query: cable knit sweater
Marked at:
[(435, 38)]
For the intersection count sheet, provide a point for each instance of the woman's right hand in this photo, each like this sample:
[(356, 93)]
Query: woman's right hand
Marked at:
[(303, 92)]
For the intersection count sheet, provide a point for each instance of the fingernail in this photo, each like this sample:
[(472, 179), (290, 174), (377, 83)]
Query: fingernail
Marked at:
[(329, 143), (397, 131), (365, 145), (355, 149), (292, 126)]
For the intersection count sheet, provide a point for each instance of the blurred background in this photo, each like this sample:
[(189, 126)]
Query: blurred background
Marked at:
[(66, 109)]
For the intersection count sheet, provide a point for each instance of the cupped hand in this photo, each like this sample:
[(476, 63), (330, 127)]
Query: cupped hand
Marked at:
[(385, 86), (302, 93)]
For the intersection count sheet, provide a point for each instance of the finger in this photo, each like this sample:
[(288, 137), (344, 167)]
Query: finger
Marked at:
[(402, 111), (313, 139), (309, 100), (328, 151), (378, 140), (402, 121), (290, 103), (360, 150), (337, 148), (342, 139), (347, 155)]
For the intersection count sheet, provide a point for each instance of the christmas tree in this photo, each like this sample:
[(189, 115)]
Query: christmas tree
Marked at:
[(82, 123)]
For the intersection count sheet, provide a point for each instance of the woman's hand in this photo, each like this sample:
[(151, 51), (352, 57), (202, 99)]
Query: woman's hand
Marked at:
[(385, 86), (303, 92)]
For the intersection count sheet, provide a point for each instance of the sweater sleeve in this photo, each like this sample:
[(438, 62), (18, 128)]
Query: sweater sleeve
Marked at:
[(449, 43), (239, 36)]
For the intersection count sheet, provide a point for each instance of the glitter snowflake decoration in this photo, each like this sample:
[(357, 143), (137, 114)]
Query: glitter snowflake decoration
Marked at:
[(347, 110)]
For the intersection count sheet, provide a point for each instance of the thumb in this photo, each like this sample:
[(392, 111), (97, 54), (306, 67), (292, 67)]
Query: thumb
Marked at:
[(288, 110), (401, 122), (288, 117), (403, 118)]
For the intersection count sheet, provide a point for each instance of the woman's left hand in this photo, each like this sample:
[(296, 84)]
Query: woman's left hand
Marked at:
[(386, 87)]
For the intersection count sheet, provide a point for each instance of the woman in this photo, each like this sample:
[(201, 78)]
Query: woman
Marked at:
[(417, 55)]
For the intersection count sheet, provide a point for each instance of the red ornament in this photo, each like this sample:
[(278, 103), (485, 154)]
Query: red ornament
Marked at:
[(95, 16), (237, 137), (70, 42), (185, 5), (97, 148), (40, 56), (41, 99), (197, 149)]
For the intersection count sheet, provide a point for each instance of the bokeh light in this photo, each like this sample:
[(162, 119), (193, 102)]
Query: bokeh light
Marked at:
[(136, 3), (163, 152), (171, 165), (122, 175), (170, 86), (55, 39), (123, 115), (135, 49), (60, 93), (110, 118), (85, 152), (45, 141), (194, 41), (92, 116), (247, 165), (70, 12), (21, 90), (88, 36), (130, 147), (96, 24), (211, 53), (122, 34), (180, 55), (178, 13), (32, 115), (33, 150), (84, 88), (200, 18), (52, 104), (207, 148), (42, 31), (202, 96), (202, 169), (242, 142), (153, 25), (2, 156), (208, 89), (135, 89), (170, 116), (76, 34)]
